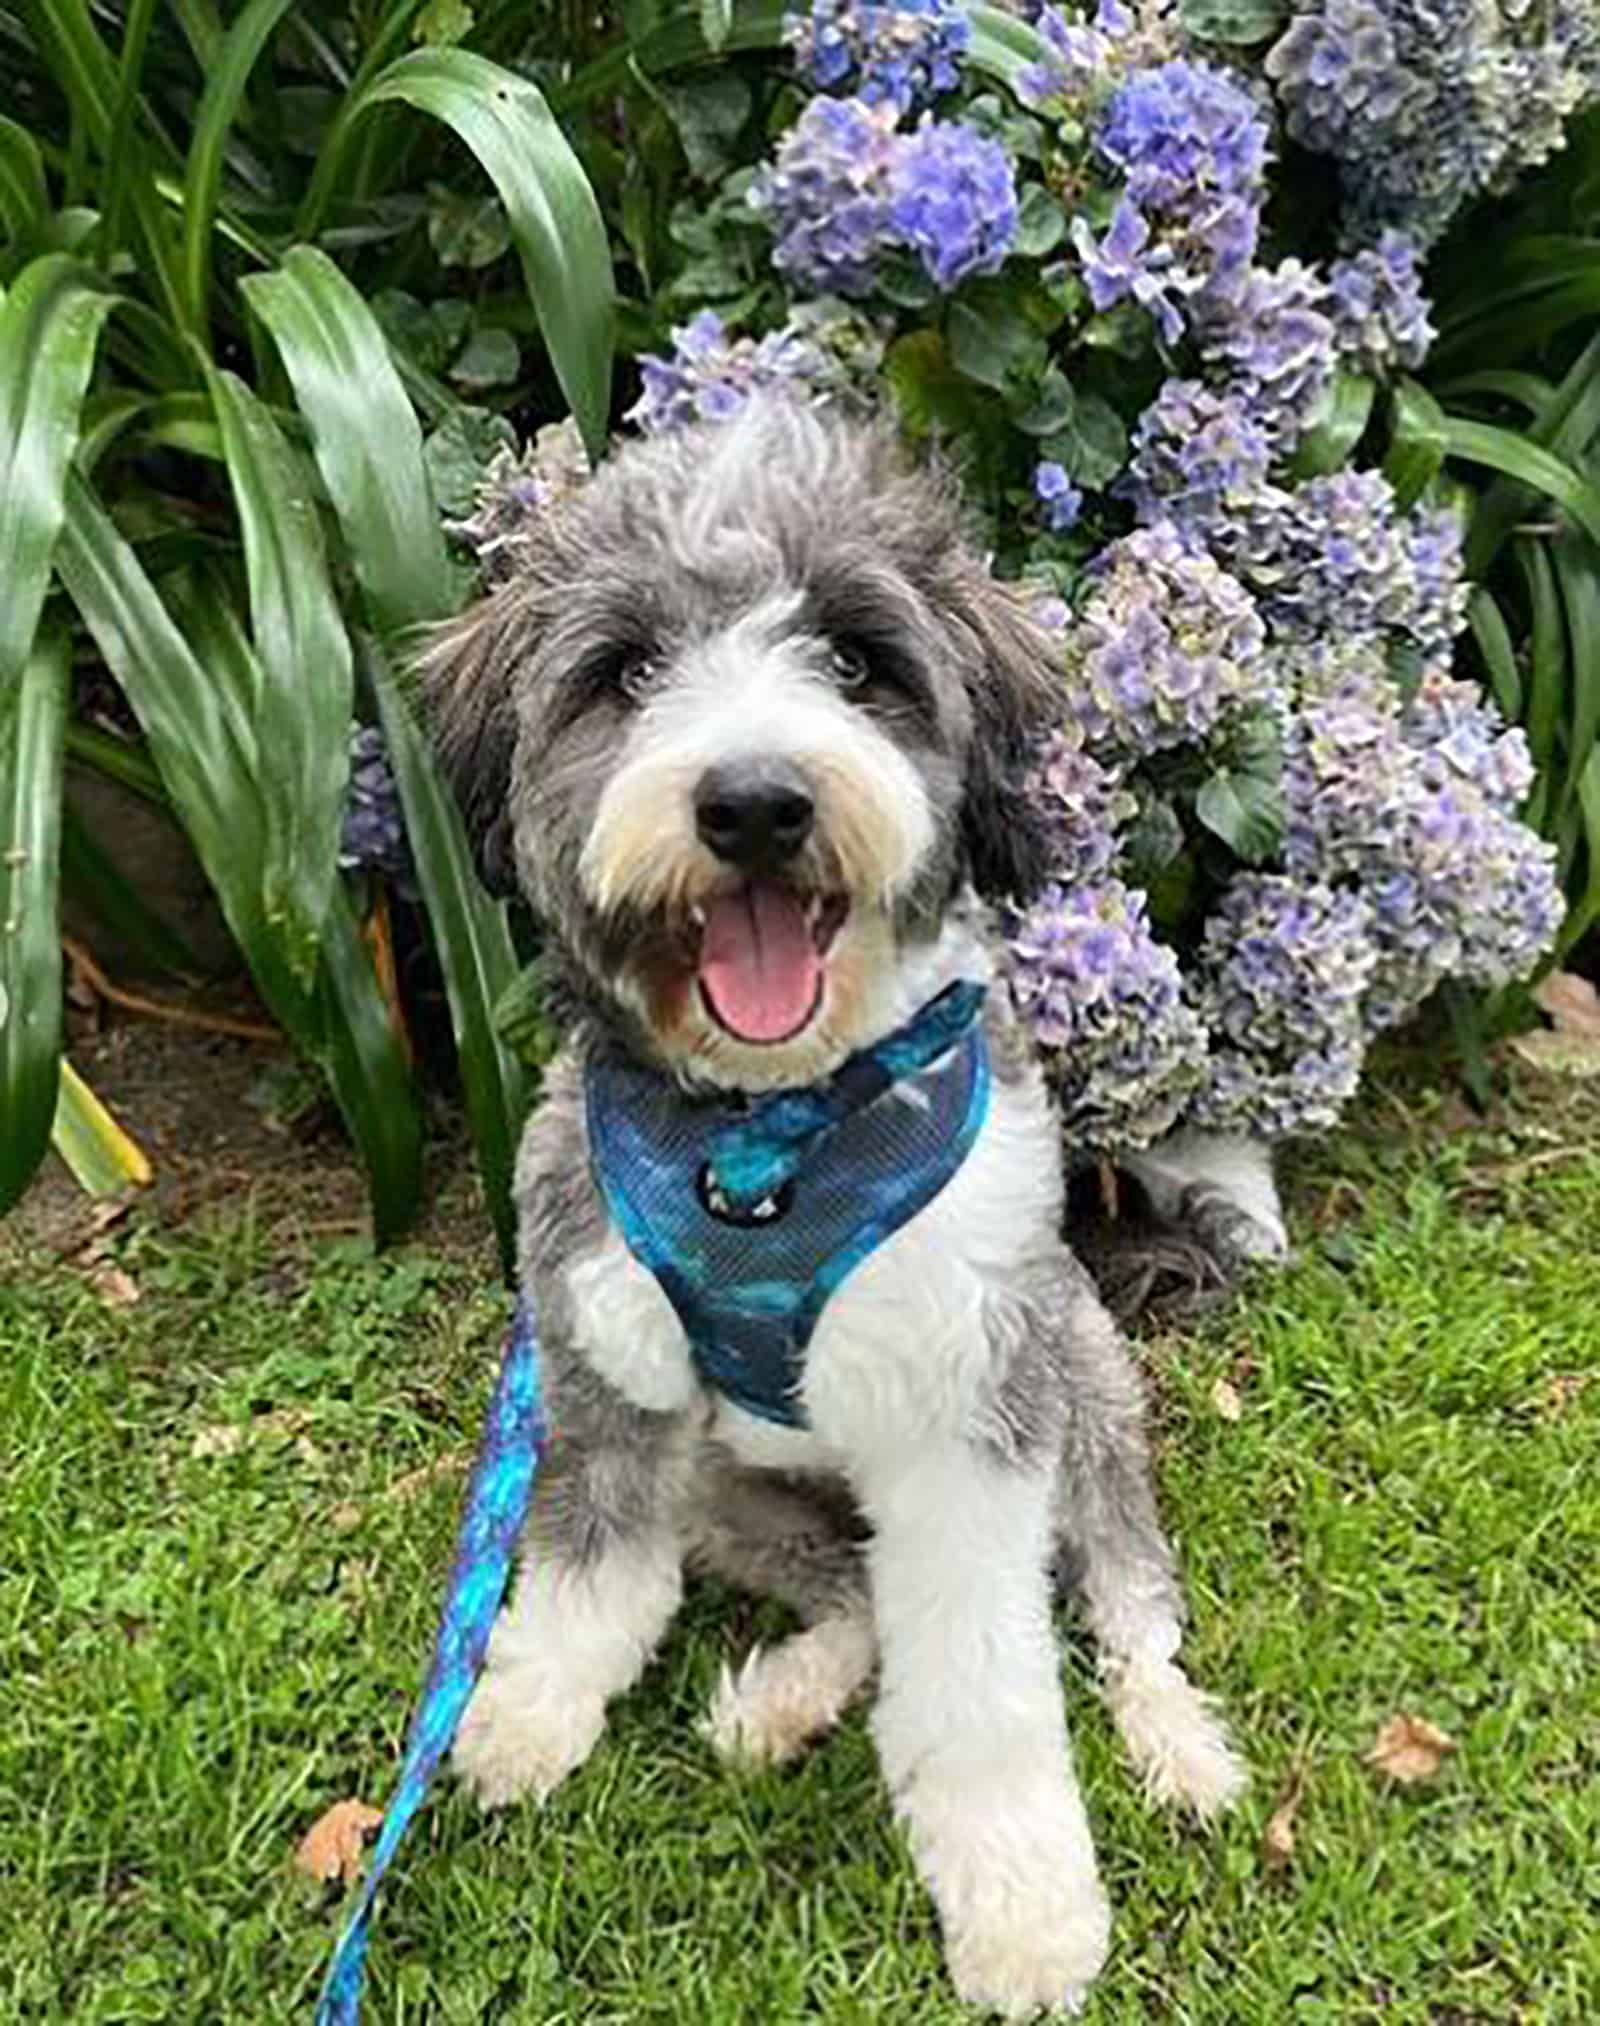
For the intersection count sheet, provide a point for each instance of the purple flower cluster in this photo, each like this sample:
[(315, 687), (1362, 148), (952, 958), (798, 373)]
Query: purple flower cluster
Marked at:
[(1426, 102), (516, 490), (1412, 806), (1106, 1000), (1273, 342), (846, 189), (1166, 647), (710, 376), (1082, 56), (1198, 455), (903, 55), (1060, 498), (373, 834), (1380, 314), (1083, 804), (1192, 149), (1279, 982)]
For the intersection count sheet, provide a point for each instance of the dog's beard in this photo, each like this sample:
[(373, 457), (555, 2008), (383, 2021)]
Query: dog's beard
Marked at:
[(757, 981)]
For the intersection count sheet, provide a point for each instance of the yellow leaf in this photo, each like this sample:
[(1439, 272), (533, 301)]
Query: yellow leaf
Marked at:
[(1225, 1400), (331, 1848)]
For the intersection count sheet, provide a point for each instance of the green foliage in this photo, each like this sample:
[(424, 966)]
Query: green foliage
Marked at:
[(251, 520)]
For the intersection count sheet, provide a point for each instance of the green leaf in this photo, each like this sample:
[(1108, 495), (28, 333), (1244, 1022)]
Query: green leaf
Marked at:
[(24, 199), (1418, 443), (523, 1021), (1503, 450), (677, 41), (708, 115), (556, 223), (247, 37), (49, 326), (432, 333), (1547, 652), (33, 718), (466, 229), (1093, 446), (995, 349), (473, 939), (302, 716), (716, 22), (1336, 427), (93, 879), (460, 451), (1499, 656), (443, 22), (489, 359), (1585, 909), (1041, 223), (1577, 569), (1245, 810), (1052, 407), (364, 434), (1232, 21), (1003, 46)]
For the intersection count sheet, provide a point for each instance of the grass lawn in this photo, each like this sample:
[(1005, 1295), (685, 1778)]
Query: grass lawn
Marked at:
[(226, 1510)]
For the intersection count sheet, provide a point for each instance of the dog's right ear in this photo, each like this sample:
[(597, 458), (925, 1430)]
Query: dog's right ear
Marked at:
[(466, 675)]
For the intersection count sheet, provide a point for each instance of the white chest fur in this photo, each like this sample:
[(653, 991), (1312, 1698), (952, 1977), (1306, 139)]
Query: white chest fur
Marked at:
[(899, 1353)]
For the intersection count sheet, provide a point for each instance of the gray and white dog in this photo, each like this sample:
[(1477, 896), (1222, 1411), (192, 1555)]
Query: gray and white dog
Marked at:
[(745, 726)]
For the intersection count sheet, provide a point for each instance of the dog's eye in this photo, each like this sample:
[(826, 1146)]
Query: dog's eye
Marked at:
[(626, 671), (850, 664)]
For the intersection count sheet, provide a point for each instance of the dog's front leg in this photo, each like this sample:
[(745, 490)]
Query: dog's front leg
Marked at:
[(970, 1725), (600, 1579)]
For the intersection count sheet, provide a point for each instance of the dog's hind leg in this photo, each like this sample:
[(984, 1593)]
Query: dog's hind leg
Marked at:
[(601, 1577), (1220, 1187), (1112, 1548), (788, 1539)]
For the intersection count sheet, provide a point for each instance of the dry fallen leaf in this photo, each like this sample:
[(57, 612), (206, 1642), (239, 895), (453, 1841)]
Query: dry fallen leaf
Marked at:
[(331, 1848), (1560, 1389), (222, 1438), (114, 1287), (430, 1473), (345, 1517), (1572, 1003), (1409, 1748), (1559, 1054), (1225, 1400), (1277, 1839)]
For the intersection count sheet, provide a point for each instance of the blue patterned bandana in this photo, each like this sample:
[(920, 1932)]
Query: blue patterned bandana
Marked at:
[(783, 1196), (751, 1212)]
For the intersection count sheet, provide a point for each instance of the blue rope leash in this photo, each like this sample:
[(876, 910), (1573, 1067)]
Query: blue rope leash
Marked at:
[(515, 1436)]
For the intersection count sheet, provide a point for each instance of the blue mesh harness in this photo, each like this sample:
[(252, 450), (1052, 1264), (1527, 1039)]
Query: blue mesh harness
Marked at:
[(750, 1213), (750, 1216)]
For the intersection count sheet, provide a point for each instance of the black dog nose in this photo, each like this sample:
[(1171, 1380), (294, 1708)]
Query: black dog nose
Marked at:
[(753, 816)]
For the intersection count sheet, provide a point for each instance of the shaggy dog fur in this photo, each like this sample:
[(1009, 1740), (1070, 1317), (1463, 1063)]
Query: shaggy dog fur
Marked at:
[(760, 661)]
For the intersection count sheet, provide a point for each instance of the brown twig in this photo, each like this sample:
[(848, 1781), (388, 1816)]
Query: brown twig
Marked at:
[(161, 1009)]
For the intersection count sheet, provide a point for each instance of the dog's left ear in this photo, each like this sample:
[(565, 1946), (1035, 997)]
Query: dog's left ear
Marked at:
[(1013, 681), (466, 674)]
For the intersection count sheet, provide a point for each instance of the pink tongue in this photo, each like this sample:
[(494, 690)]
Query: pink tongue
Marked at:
[(759, 967)]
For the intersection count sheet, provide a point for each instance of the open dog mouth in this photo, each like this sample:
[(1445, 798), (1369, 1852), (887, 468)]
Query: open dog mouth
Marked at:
[(762, 959)]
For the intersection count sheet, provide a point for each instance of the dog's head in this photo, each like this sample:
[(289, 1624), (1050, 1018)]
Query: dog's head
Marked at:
[(745, 724)]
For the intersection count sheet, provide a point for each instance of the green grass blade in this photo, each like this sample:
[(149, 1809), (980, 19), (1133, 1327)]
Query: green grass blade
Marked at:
[(49, 325), (24, 199), (473, 940), (1499, 656), (1585, 909), (365, 434), (1529, 390), (555, 221), (123, 167), (1337, 429), (303, 714), (245, 40), (33, 719)]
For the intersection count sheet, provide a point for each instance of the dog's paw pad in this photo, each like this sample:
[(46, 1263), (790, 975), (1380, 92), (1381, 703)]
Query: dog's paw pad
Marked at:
[(517, 1741), (1175, 1737), (784, 1696)]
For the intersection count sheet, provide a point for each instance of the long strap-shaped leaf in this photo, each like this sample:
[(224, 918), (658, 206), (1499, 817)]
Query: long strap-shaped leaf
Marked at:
[(33, 716), (49, 324), (24, 199), (365, 434), (303, 710), (555, 221), (369, 451)]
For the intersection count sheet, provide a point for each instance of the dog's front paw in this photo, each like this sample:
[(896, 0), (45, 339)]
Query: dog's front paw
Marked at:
[(1174, 1736), (786, 1695), (1031, 1952), (519, 1738)]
